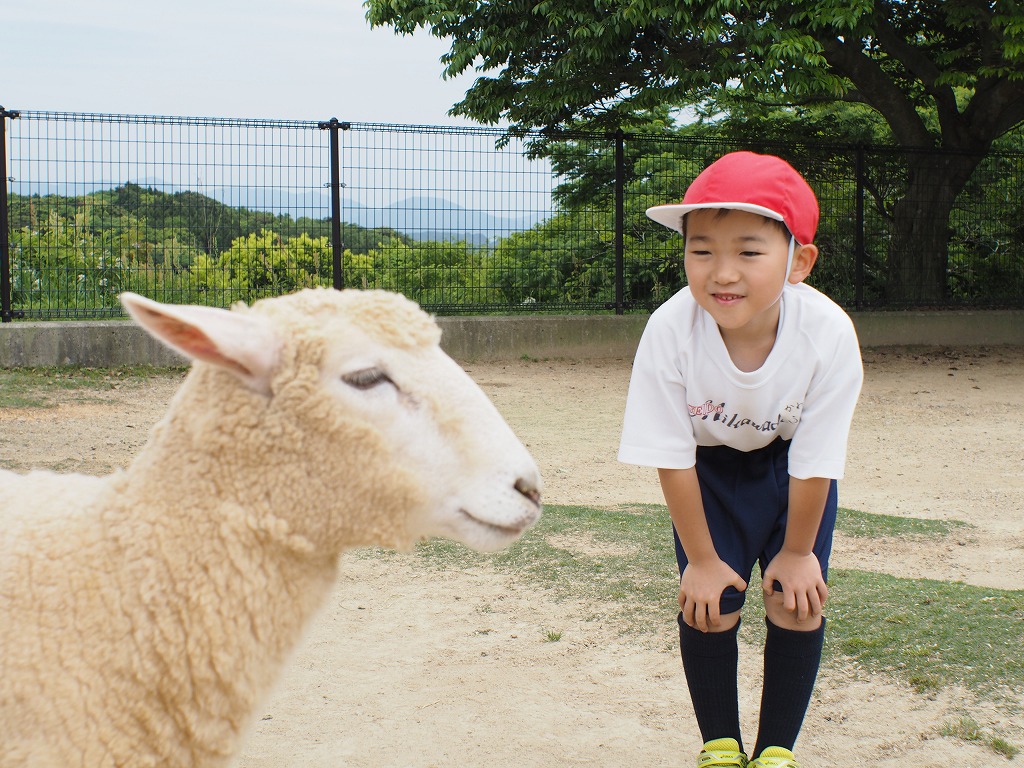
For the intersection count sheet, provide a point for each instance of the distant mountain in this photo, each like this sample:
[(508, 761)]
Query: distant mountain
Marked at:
[(420, 217), (435, 218)]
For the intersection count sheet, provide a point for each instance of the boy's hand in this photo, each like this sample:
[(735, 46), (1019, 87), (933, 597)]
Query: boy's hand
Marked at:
[(701, 588), (804, 591)]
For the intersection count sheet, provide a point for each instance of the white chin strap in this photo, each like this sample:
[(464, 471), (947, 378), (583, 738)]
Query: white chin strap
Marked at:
[(789, 265)]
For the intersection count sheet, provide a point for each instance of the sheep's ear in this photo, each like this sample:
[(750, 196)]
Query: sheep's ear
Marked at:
[(245, 345)]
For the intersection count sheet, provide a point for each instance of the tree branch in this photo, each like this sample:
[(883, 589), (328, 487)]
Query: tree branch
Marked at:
[(877, 90), (927, 73), (996, 109)]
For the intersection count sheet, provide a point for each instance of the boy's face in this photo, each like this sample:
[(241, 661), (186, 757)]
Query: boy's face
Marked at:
[(736, 267)]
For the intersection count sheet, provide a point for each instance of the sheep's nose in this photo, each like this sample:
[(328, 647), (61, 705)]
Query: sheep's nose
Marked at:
[(529, 490)]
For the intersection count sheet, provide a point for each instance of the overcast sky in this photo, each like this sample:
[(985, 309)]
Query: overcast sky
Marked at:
[(280, 59)]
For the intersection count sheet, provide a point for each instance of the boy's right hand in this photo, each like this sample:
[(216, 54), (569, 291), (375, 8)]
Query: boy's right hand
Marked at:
[(700, 590)]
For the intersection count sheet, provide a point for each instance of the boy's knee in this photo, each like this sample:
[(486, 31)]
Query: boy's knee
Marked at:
[(777, 614)]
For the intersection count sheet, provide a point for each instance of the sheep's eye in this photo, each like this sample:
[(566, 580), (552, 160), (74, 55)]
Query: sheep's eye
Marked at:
[(366, 378)]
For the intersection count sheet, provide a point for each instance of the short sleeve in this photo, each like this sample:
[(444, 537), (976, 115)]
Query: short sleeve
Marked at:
[(820, 441), (657, 431)]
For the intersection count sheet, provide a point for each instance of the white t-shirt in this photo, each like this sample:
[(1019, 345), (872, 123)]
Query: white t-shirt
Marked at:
[(685, 390)]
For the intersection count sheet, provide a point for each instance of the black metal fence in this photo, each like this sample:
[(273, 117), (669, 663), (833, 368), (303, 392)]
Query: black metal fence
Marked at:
[(463, 220)]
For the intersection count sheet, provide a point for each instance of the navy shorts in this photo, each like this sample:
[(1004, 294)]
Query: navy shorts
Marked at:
[(746, 503)]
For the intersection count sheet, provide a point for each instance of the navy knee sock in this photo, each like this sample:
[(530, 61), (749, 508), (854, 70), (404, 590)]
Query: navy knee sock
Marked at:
[(710, 662), (791, 661)]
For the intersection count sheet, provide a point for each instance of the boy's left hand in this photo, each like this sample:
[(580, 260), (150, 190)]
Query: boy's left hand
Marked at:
[(804, 591)]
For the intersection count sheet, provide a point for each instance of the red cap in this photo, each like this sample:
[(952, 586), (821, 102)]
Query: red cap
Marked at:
[(745, 181)]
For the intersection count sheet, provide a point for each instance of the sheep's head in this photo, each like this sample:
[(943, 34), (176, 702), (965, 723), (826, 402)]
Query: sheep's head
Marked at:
[(361, 375)]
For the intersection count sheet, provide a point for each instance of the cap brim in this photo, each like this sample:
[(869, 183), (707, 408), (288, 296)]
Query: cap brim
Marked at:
[(671, 216)]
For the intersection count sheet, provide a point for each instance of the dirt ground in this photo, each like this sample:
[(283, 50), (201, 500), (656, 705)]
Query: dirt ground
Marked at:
[(413, 668)]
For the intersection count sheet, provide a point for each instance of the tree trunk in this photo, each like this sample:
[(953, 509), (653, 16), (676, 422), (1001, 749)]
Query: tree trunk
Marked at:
[(918, 250)]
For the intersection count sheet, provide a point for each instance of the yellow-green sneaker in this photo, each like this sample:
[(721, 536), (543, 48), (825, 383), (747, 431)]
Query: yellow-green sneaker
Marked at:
[(721, 752), (775, 757)]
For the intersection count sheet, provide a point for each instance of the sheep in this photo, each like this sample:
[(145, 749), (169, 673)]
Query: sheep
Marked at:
[(144, 615)]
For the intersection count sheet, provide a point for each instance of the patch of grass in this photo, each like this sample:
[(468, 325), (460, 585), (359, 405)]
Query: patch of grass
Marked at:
[(869, 525), (46, 387), (963, 728), (967, 729), (1003, 747), (552, 637), (630, 571), (930, 634), (924, 683)]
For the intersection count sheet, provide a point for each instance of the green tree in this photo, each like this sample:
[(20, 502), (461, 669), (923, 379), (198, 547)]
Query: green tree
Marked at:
[(431, 273), (566, 259), (266, 264), (943, 74)]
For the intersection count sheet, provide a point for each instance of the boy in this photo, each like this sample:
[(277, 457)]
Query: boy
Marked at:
[(742, 393)]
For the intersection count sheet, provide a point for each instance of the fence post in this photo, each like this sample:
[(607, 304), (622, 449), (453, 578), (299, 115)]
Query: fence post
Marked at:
[(620, 220), (337, 246), (5, 223), (858, 248)]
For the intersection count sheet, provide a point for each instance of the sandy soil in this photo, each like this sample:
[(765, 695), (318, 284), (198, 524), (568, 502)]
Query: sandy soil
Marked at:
[(414, 668)]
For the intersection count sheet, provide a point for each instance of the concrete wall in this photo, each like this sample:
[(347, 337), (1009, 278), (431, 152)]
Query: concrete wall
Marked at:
[(949, 329), (119, 342)]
